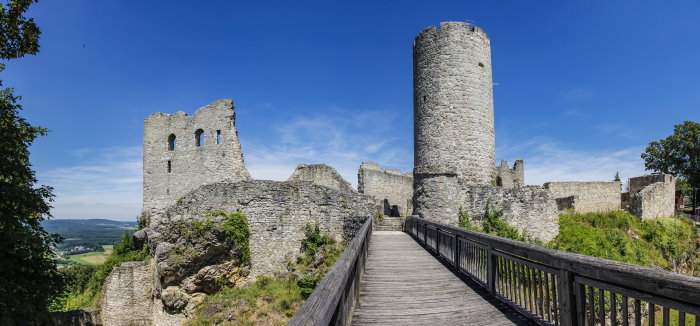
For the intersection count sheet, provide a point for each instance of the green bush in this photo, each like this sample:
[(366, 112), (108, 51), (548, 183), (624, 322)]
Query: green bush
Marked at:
[(313, 239), (236, 233)]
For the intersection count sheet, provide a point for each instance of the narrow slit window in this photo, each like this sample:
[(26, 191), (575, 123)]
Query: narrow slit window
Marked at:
[(199, 137), (170, 166), (218, 137), (172, 142)]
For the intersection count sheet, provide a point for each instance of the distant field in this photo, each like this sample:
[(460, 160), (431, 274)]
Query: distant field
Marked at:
[(92, 258)]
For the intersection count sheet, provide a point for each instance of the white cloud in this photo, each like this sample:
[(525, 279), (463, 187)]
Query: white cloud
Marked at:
[(106, 183), (342, 139), (548, 161)]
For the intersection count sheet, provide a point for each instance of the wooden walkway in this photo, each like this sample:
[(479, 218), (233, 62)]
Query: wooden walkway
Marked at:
[(404, 284)]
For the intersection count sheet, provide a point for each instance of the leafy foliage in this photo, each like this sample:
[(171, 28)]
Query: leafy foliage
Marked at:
[(313, 240), (678, 154), (236, 233), (29, 275), (668, 243), (617, 176)]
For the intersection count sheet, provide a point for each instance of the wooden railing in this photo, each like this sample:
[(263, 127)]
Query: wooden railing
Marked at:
[(554, 287), (334, 298)]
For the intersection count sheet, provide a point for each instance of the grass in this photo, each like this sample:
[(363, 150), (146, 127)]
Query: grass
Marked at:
[(668, 243), (267, 301), (90, 258)]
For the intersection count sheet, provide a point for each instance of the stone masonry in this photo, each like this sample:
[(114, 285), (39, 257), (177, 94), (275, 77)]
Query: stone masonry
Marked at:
[(322, 175), (453, 103), (652, 196), (454, 150), (530, 208), (277, 213), (588, 197), (388, 187), (510, 178), (181, 153), (127, 296)]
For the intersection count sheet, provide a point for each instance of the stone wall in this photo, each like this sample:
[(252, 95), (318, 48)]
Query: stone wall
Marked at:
[(652, 196), (177, 159), (277, 214), (322, 175), (597, 196), (453, 103), (388, 187), (527, 208), (510, 178), (128, 293)]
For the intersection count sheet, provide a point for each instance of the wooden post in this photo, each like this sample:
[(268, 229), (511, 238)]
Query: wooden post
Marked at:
[(567, 299), (455, 248), (491, 271)]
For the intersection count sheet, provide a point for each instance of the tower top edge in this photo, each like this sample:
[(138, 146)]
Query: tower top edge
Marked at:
[(451, 26)]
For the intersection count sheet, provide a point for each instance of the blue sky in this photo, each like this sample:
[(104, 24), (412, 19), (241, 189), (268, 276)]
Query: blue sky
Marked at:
[(583, 86)]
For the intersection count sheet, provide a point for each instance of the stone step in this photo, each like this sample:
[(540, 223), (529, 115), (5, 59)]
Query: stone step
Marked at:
[(389, 224)]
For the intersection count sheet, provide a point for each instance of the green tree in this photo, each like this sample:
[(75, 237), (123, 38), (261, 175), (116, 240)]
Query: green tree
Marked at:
[(678, 154), (617, 176), (27, 269)]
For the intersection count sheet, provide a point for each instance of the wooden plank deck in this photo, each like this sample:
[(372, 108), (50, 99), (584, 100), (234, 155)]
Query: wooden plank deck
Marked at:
[(404, 284)]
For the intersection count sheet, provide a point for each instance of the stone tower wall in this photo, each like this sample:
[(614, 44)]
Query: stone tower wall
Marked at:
[(453, 103), (169, 174)]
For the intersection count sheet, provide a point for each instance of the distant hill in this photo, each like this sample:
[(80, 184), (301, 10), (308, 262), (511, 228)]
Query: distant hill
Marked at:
[(91, 233)]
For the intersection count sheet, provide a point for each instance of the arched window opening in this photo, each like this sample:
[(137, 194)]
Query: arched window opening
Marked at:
[(218, 137), (172, 142), (199, 137), (499, 181)]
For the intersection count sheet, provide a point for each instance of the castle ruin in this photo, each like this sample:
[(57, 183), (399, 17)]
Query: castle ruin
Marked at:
[(193, 166), (182, 153)]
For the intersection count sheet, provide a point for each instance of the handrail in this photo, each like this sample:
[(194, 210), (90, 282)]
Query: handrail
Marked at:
[(554, 287), (334, 298)]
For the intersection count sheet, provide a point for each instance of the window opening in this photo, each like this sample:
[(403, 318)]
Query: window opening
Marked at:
[(218, 137), (170, 166), (172, 142), (199, 137)]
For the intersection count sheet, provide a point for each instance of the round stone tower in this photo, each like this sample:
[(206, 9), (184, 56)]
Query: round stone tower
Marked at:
[(453, 103), (454, 142)]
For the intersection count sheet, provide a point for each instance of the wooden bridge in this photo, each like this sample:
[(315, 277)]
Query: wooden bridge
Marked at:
[(433, 274)]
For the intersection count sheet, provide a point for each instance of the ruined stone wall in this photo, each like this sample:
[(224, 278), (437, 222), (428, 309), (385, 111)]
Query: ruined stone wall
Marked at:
[(390, 185), (128, 294), (652, 196), (589, 197), (176, 162), (526, 208), (322, 175), (277, 214), (453, 103), (510, 178)]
